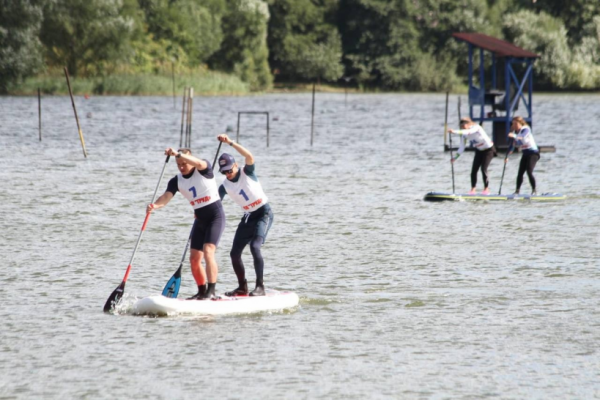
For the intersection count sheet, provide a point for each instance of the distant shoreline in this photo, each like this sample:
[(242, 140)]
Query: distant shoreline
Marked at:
[(205, 83)]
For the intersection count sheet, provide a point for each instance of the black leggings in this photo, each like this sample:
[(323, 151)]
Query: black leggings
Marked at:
[(238, 264), (528, 161), (482, 160)]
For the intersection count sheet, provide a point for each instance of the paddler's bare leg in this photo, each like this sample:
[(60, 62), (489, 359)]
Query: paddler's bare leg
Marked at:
[(212, 268), (198, 273)]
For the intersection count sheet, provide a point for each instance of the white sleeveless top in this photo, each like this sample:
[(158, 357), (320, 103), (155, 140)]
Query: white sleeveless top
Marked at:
[(198, 190), (246, 192)]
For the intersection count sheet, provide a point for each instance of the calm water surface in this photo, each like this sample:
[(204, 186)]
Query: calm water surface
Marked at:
[(399, 298)]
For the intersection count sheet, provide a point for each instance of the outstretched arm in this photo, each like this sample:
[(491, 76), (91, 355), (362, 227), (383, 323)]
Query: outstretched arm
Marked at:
[(160, 202), (248, 157), (199, 164)]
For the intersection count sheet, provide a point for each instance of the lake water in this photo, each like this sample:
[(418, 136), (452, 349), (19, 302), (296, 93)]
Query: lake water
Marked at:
[(399, 298)]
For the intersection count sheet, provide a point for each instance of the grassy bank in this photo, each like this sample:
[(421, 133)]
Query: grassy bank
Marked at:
[(203, 82)]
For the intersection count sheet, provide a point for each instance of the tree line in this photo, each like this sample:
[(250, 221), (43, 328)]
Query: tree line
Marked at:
[(376, 44)]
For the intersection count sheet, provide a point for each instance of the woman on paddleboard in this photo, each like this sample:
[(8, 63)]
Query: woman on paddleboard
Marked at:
[(523, 139), (484, 151), (196, 182), (243, 187)]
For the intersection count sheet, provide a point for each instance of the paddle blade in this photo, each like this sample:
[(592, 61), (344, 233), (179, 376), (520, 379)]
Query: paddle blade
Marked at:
[(172, 287), (114, 298)]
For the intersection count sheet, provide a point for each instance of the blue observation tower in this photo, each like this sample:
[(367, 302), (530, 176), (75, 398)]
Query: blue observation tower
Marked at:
[(502, 85)]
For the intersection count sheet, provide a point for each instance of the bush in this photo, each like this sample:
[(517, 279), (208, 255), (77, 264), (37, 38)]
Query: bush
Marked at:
[(204, 83)]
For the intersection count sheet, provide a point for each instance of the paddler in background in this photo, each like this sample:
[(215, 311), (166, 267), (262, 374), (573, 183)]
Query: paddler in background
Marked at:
[(523, 139), (484, 151), (196, 182), (243, 187)]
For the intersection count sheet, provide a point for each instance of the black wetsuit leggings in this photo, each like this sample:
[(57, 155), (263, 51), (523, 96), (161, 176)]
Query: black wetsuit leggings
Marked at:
[(482, 160), (238, 264), (528, 161)]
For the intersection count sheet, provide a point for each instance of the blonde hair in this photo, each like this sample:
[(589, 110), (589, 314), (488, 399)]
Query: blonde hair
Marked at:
[(519, 120)]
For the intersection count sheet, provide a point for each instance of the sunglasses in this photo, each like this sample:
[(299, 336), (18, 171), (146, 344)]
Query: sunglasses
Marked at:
[(227, 172)]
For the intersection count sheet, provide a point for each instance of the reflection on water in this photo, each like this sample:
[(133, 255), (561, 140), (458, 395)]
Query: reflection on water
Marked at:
[(399, 298)]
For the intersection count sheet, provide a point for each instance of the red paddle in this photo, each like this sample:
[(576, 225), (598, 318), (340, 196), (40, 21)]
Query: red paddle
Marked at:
[(116, 295)]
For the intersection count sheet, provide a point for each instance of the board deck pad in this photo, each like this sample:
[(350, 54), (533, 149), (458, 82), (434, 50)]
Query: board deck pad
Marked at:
[(440, 196), (271, 301)]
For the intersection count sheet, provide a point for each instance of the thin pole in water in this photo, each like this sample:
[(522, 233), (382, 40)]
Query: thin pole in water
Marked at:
[(346, 80), (75, 110), (265, 113), (173, 75), (182, 116), (312, 116), (237, 135), (190, 109), (40, 113)]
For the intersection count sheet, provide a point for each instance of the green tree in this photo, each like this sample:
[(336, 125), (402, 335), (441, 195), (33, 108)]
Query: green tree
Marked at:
[(87, 36), (406, 44), (20, 48), (546, 36), (561, 65), (304, 41), (382, 43), (244, 50), (574, 14), (189, 27)]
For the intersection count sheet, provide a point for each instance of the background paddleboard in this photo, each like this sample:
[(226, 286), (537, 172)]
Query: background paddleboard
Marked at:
[(440, 196), (161, 305)]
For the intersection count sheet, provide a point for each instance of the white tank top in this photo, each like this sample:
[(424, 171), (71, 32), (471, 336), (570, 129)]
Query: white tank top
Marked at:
[(198, 190), (246, 192)]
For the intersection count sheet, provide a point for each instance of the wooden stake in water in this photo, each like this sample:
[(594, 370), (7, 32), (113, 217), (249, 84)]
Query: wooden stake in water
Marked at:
[(40, 114), (173, 75), (187, 118), (347, 80), (75, 110), (312, 116), (265, 113), (183, 114), (190, 111)]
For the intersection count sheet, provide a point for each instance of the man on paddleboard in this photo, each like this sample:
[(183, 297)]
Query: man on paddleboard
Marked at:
[(243, 187), (196, 182)]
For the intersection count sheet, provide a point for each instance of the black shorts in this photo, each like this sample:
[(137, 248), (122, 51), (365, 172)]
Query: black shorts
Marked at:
[(209, 225), (256, 223)]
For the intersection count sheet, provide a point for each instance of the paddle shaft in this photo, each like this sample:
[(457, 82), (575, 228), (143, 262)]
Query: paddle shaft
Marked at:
[(504, 169), (118, 292), (216, 155), (450, 138), (172, 287), (139, 239)]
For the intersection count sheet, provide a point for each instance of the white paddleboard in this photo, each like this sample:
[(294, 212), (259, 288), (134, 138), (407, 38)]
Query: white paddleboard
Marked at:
[(161, 305)]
